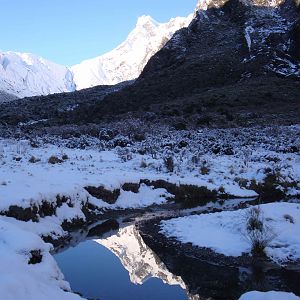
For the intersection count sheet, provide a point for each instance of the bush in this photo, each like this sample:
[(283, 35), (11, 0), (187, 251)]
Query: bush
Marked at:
[(125, 154), (143, 164), (54, 160), (65, 157), (269, 190), (204, 170), (169, 164), (34, 160), (254, 220), (257, 232)]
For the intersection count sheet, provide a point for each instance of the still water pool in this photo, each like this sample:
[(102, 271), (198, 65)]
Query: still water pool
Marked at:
[(97, 272)]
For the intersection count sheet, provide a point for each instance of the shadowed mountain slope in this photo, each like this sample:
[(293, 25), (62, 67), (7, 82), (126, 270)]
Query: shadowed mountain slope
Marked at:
[(238, 63)]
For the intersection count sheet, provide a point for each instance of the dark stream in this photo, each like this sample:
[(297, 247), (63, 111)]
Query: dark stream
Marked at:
[(116, 260)]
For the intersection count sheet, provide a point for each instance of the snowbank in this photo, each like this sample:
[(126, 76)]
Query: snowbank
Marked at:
[(21, 280), (27, 179), (269, 296), (225, 232)]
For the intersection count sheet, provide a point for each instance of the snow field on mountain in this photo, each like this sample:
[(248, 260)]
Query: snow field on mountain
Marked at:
[(128, 60), (26, 75)]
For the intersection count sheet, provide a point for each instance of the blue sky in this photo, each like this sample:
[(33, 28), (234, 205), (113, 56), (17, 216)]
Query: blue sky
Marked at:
[(69, 31)]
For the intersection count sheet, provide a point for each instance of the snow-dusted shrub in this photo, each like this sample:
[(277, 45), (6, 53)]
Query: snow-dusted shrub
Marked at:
[(257, 232), (65, 157), (54, 160), (143, 164), (169, 163), (271, 188), (124, 154), (33, 159), (204, 170)]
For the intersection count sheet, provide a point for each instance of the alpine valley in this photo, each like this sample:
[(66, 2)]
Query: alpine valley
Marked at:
[(168, 168)]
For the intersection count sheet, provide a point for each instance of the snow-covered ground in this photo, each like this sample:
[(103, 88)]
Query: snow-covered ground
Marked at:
[(20, 280), (27, 179), (269, 296), (226, 232), (253, 156)]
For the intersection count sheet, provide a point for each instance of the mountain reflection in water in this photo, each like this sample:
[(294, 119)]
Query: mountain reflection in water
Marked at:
[(93, 269)]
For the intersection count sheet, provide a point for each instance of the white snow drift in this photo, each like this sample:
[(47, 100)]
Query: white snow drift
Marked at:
[(26, 182), (272, 295), (225, 232)]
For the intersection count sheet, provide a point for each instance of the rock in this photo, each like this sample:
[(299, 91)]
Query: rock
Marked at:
[(36, 257), (101, 193)]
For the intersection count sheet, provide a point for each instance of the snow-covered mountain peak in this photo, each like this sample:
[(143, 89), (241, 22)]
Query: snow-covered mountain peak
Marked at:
[(127, 61), (25, 74), (144, 20)]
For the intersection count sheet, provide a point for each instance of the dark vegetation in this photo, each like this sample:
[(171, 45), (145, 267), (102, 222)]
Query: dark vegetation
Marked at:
[(259, 234), (184, 194), (36, 257), (106, 195), (103, 228)]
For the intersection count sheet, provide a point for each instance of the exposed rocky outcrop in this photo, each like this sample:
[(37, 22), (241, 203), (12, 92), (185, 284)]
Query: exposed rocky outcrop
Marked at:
[(235, 54)]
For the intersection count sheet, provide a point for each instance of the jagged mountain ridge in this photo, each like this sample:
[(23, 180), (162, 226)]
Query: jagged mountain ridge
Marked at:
[(234, 65), (127, 61), (231, 50), (25, 75)]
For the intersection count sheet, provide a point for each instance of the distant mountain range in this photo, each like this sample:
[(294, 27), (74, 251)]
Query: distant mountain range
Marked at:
[(237, 63), (25, 75)]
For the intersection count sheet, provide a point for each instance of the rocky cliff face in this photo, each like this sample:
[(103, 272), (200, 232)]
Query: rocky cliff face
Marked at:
[(245, 39), (233, 45)]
